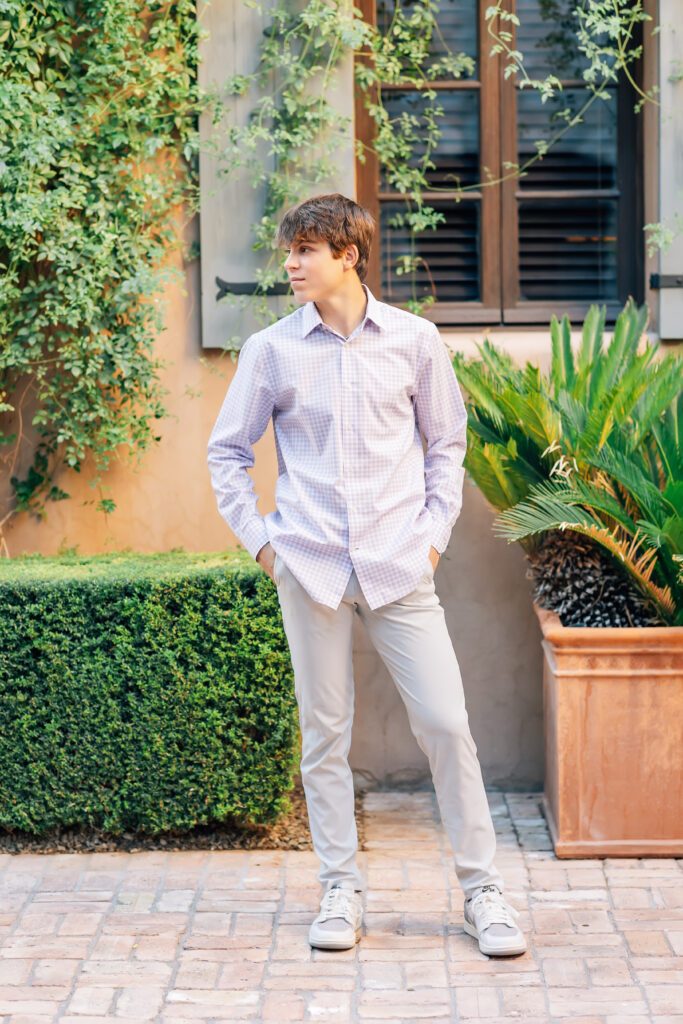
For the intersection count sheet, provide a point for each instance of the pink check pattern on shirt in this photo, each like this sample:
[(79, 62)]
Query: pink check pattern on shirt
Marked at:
[(355, 489)]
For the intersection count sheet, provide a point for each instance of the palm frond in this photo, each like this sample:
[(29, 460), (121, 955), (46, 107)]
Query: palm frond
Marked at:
[(672, 534), (512, 447), (667, 535), (668, 436), (486, 431), (663, 398), (529, 381), (499, 362), (541, 514), (591, 346), (495, 475), (628, 330), (535, 415), (483, 391), (573, 414), (595, 497), (611, 412), (625, 470), (562, 369), (673, 492)]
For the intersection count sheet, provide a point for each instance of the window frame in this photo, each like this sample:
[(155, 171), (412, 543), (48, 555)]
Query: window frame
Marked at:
[(499, 236)]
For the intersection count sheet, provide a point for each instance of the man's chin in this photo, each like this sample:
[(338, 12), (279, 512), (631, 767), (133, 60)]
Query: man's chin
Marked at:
[(303, 294)]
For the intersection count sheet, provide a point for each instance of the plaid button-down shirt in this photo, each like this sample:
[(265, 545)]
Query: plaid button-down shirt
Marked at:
[(355, 489)]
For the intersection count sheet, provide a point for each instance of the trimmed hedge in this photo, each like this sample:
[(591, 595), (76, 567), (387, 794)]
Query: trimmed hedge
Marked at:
[(142, 692)]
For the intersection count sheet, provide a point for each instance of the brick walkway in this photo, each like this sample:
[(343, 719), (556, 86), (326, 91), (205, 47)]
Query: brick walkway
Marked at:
[(222, 936)]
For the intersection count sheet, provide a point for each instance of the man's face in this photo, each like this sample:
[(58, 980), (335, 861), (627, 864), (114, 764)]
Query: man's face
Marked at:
[(314, 271)]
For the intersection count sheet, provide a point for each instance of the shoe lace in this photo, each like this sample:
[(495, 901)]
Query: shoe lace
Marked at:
[(490, 907), (336, 903)]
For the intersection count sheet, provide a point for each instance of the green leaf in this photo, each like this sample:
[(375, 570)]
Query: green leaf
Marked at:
[(562, 372)]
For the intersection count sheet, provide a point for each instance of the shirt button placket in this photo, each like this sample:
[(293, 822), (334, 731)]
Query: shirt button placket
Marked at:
[(348, 436)]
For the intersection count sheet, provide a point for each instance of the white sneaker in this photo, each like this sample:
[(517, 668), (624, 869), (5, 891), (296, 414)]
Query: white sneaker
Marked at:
[(492, 921), (338, 924)]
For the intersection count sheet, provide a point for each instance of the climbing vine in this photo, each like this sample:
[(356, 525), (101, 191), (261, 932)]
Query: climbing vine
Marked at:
[(98, 150), (298, 125)]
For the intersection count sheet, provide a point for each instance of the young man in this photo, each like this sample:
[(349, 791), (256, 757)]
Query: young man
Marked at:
[(362, 518)]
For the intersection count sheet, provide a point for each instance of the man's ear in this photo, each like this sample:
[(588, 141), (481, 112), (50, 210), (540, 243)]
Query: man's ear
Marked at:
[(350, 257)]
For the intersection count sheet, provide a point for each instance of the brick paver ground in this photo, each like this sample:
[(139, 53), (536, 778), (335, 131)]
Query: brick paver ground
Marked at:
[(190, 937)]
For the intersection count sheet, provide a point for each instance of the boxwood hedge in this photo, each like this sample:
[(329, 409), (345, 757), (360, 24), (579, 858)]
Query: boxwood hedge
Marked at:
[(142, 692)]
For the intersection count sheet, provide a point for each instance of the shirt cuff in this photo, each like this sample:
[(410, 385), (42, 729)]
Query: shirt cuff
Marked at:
[(255, 536), (441, 534)]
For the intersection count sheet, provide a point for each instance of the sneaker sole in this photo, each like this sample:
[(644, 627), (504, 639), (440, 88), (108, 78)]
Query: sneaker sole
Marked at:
[(495, 951), (331, 944)]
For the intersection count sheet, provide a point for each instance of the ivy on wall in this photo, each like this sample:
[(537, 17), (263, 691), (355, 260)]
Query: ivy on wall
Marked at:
[(98, 150)]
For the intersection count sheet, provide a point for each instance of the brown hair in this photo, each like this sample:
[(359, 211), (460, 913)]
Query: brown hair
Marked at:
[(333, 219)]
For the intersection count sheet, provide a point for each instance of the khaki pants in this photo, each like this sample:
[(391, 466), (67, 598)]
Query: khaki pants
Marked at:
[(411, 637)]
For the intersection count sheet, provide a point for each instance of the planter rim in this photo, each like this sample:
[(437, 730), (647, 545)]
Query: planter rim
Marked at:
[(657, 637)]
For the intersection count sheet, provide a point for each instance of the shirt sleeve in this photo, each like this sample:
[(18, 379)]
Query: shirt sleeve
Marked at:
[(442, 418), (244, 416)]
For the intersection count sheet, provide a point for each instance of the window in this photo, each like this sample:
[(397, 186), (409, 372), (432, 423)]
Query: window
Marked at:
[(567, 233)]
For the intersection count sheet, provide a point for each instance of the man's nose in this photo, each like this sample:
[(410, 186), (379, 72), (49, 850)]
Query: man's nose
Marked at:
[(290, 261)]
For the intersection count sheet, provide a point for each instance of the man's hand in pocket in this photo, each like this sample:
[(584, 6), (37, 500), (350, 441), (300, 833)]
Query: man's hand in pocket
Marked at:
[(266, 559), (434, 557)]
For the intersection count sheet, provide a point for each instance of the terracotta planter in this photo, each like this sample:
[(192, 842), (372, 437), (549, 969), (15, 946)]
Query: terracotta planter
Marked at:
[(613, 722)]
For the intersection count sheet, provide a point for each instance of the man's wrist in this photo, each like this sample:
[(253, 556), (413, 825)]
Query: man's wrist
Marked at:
[(261, 550)]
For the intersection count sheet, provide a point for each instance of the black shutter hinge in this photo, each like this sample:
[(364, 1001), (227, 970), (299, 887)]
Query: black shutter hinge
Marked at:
[(658, 281), (248, 288)]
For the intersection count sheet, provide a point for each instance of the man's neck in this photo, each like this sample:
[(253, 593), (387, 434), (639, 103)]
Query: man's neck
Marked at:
[(344, 310)]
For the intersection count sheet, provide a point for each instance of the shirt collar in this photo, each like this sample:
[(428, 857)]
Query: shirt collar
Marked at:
[(375, 310), (312, 319)]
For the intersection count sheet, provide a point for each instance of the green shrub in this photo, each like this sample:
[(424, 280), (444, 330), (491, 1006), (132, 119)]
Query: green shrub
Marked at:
[(142, 692)]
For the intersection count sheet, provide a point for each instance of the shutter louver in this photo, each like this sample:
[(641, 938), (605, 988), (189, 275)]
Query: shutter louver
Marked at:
[(568, 200), (449, 261), (567, 250)]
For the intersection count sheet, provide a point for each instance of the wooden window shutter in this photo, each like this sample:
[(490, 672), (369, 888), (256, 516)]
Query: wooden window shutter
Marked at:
[(229, 206)]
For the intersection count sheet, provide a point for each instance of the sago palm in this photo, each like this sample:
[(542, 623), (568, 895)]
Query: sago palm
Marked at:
[(595, 447)]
